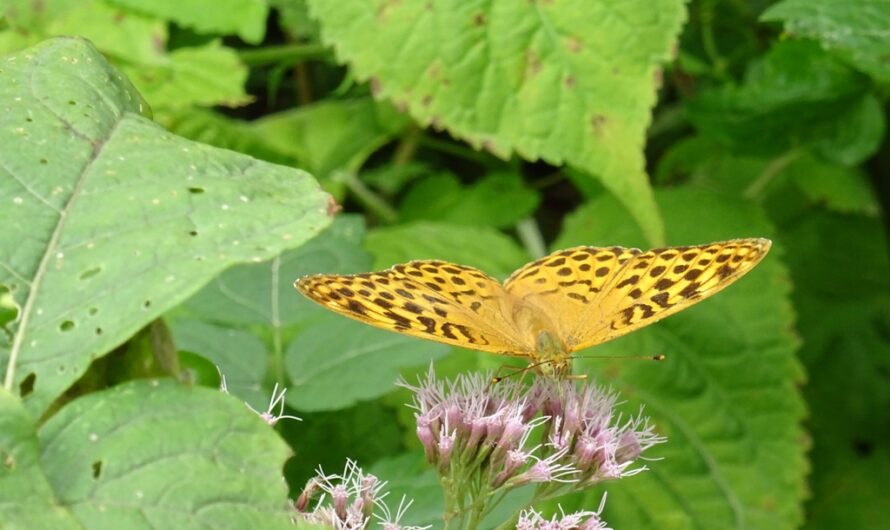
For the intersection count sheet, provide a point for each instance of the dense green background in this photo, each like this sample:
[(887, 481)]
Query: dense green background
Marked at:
[(164, 182)]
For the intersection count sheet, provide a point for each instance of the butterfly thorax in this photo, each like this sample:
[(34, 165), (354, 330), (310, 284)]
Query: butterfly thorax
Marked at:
[(550, 357)]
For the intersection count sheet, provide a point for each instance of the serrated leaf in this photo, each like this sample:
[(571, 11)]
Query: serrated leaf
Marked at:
[(499, 200), (205, 75), (839, 265), (29, 502), (480, 247), (566, 82), (839, 188), (120, 220), (855, 30), (246, 18), (726, 397), (126, 36), (156, 454), (796, 96)]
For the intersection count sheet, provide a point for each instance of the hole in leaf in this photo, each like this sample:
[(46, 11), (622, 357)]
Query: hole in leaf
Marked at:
[(146, 304), (66, 325), (193, 233), (97, 469), (27, 385), (89, 273), (195, 190)]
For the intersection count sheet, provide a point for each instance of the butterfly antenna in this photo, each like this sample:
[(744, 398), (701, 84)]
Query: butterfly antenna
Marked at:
[(658, 357)]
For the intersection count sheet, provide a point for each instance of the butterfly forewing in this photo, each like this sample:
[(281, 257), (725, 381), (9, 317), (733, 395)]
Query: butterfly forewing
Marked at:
[(645, 287), (434, 300)]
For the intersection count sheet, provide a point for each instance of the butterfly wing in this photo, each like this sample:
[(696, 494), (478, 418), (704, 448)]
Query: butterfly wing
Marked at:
[(599, 294), (434, 300)]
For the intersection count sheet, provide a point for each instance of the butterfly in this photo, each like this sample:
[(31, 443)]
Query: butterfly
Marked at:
[(546, 310)]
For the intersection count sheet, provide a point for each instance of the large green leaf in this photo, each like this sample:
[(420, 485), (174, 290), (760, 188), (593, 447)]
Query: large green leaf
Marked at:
[(28, 501), (566, 82), (252, 315), (156, 454), (726, 396), (797, 96), (118, 220), (856, 30), (246, 18), (839, 265)]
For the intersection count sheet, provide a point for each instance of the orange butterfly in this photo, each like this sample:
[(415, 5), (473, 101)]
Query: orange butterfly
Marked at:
[(546, 310)]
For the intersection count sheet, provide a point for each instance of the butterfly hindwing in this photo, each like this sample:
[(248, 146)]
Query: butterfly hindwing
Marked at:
[(435, 300)]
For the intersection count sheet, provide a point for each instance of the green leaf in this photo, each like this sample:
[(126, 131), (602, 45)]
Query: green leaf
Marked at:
[(210, 127), (156, 454), (854, 30), (797, 96), (119, 220), (839, 265), (569, 82), (364, 433), (246, 18), (337, 362), (499, 200), (120, 34), (839, 188), (251, 317), (330, 135), (480, 247), (726, 397), (29, 502), (206, 75)]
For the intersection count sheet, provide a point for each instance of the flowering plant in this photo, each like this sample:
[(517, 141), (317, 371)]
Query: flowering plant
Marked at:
[(486, 439)]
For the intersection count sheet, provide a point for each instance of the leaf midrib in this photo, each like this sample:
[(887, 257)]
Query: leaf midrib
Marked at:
[(36, 281)]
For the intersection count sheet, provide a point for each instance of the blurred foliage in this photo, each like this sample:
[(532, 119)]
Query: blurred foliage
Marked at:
[(482, 133)]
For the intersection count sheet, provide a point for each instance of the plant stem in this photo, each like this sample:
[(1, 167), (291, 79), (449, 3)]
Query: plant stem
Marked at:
[(366, 196), (769, 173), (407, 146), (531, 237), (454, 149)]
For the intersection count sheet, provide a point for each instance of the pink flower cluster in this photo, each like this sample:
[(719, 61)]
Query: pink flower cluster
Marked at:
[(470, 425), (348, 501)]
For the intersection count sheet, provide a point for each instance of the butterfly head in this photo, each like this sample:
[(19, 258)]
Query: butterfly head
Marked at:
[(551, 358)]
